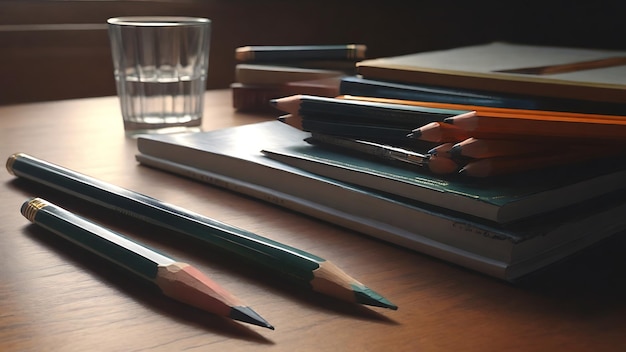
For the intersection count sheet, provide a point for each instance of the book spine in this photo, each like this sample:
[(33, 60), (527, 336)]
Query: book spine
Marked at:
[(254, 98), (262, 74), (257, 97), (525, 86)]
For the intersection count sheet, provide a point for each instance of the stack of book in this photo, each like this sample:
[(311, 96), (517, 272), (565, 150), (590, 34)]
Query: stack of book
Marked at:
[(500, 75), (341, 160), (267, 72), (534, 106)]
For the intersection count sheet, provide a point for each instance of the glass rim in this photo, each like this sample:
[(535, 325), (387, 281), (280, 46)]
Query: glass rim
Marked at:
[(158, 21)]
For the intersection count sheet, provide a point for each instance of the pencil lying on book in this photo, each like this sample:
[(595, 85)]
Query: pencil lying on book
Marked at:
[(297, 265), (569, 67), (488, 148), (439, 132), (512, 164), (353, 111), (346, 129), (443, 132), (543, 127), (486, 110), (438, 165), (177, 280), (300, 52), (442, 149)]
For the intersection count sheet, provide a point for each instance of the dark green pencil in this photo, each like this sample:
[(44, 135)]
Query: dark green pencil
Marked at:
[(286, 53), (177, 280), (297, 265)]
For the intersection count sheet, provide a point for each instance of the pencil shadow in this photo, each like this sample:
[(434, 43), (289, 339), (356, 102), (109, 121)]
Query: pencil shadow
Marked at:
[(144, 293)]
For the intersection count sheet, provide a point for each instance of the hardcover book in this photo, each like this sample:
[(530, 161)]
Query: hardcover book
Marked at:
[(276, 74), (574, 73), (256, 97), (232, 158)]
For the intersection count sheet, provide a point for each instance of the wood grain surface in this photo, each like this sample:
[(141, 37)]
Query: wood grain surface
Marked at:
[(56, 297)]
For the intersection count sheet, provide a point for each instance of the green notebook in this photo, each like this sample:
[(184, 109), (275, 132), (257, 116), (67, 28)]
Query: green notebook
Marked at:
[(500, 199), (231, 158)]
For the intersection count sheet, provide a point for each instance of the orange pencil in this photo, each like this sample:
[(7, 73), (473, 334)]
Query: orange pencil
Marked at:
[(291, 120), (488, 148), (442, 150), (512, 164), (440, 164), (487, 110), (541, 127)]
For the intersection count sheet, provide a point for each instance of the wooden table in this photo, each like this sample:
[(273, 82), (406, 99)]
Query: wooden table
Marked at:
[(54, 296)]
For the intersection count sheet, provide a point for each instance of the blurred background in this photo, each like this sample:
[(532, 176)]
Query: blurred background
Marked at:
[(59, 49)]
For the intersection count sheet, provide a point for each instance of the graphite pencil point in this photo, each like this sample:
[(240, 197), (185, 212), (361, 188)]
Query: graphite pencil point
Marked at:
[(331, 280), (247, 315), (368, 297), (415, 134), (456, 150)]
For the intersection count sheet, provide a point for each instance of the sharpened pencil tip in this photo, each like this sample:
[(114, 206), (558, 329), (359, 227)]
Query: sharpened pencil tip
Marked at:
[(247, 315), (368, 297), (456, 150), (415, 134)]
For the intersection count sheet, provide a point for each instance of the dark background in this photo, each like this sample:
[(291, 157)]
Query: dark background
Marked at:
[(52, 49)]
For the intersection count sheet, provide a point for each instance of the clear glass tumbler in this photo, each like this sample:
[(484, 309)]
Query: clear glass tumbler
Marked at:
[(160, 67)]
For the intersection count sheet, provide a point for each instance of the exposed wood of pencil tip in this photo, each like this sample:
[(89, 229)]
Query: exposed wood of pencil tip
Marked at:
[(187, 284), (595, 131), (290, 104), (333, 281), (292, 120), (439, 132), (439, 164), (442, 149)]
